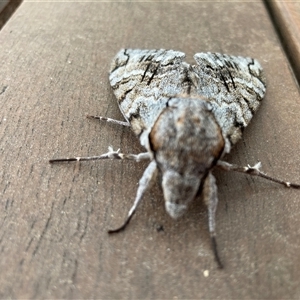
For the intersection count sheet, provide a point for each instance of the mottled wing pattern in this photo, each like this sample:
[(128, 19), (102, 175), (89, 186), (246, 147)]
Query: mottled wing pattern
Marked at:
[(234, 85), (143, 81)]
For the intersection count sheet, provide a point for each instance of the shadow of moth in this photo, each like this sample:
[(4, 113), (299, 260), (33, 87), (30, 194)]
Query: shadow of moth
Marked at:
[(187, 117)]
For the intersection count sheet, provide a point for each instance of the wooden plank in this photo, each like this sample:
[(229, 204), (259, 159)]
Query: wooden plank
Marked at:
[(3, 4), (286, 16), (54, 219), (7, 8)]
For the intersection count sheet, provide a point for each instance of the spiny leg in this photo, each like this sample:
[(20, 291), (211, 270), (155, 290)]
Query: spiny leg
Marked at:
[(109, 120), (144, 183), (210, 197), (111, 154), (254, 171)]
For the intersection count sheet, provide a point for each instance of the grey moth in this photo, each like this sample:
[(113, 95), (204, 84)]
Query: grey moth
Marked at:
[(187, 117)]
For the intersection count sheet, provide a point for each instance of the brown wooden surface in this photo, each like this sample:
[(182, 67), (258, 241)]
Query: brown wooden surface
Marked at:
[(54, 219), (286, 16)]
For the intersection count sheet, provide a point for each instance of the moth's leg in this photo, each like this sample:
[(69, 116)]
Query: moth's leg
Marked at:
[(111, 154), (254, 171), (210, 197), (144, 183), (109, 120)]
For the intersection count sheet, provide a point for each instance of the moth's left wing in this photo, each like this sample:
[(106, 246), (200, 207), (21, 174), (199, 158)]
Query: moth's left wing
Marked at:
[(144, 80), (235, 87)]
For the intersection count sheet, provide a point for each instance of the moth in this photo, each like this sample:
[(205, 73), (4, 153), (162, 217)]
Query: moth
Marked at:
[(187, 117)]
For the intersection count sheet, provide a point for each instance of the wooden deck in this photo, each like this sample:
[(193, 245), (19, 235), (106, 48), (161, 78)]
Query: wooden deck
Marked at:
[(55, 58)]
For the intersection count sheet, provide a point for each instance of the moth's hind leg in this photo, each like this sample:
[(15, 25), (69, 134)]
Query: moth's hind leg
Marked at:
[(109, 120), (210, 197), (254, 171), (111, 154)]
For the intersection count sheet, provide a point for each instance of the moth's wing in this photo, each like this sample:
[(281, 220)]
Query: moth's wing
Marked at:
[(235, 87), (143, 81)]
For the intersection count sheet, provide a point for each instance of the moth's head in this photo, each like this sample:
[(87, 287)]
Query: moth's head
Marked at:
[(179, 191), (186, 141)]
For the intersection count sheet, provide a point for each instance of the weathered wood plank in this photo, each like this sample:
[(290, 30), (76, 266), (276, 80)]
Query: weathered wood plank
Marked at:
[(3, 4), (54, 219), (7, 8), (286, 16)]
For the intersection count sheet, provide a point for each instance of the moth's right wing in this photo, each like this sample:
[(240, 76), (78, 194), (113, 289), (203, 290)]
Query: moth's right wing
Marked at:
[(234, 85)]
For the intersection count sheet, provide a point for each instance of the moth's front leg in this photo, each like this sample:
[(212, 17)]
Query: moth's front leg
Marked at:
[(210, 197), (144, 184)]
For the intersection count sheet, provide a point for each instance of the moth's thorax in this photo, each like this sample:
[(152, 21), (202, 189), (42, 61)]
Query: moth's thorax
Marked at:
[(186, 141)]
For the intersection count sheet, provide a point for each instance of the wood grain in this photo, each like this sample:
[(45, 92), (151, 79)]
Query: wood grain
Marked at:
[(55, 59), (3, 4), (286, 17), (7, 8)]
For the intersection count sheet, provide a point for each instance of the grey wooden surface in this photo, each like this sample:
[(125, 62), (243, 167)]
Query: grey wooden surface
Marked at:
[(3, 3), (54, 219), (286, 18), (7, 8)]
